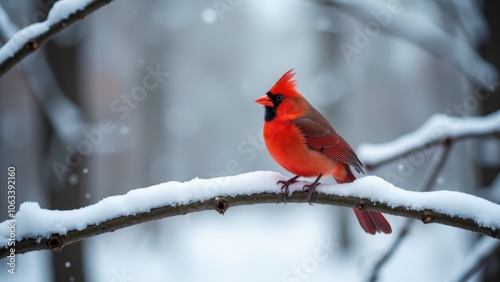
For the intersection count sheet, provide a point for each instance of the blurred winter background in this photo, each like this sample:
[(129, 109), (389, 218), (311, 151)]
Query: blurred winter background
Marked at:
[(376, 70)]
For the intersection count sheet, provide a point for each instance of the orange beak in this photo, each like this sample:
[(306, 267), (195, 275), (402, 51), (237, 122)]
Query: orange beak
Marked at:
[(266, 101)]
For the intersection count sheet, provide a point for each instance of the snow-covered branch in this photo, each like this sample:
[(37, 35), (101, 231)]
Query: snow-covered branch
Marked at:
[(426, 34), (438, 129), (37, 229), (30, 38), (64, 116)]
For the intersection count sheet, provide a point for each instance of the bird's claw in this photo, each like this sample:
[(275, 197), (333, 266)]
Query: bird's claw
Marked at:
[(311, 187), (286, 184)]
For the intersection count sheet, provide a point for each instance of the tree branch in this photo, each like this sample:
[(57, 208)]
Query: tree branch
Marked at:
[(63, 115), (433, 172), (484, 250), (452, 49), (30, 38), (40, 229), (436, 130)]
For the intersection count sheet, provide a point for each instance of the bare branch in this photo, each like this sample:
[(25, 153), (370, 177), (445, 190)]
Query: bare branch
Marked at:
[(26, 41), (254, 193)]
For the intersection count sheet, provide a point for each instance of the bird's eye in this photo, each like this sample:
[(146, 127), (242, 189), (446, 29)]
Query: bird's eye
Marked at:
[(279, 97)]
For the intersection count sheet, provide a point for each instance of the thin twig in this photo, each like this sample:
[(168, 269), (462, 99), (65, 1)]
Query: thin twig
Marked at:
[(437, 165), (31, 44), (433, 172), (474, 268)]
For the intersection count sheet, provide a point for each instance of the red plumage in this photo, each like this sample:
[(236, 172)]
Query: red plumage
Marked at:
[(303, 142), (285, 84)]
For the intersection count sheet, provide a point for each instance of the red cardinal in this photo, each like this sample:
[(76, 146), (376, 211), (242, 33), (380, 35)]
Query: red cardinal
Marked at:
[(303, 142)]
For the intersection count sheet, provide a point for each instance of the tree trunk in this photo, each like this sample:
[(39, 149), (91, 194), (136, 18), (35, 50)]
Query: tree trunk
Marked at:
[(487, 173)]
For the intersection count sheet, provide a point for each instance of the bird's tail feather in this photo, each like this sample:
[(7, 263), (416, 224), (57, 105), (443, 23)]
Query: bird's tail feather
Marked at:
[(373, 222), (370, 221)]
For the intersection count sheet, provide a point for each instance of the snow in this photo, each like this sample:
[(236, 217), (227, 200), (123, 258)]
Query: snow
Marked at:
[(208, 15), (63, 9), (64, 115), (427, 34), (73, 179), (456, 204), (35, 222), (435, 129), (20, 39), (124, 130), (60, 11)]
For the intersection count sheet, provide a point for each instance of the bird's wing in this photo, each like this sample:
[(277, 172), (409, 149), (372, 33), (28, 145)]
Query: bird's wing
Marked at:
[(321, 136)]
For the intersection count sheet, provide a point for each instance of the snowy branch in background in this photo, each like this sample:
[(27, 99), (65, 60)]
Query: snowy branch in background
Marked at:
[(424, 33), (438, 129), (433, 170), (64, 116), (482, 251), (38, 229), (30, 38)]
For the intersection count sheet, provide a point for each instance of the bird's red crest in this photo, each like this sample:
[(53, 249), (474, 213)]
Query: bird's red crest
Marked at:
[(285, 84)]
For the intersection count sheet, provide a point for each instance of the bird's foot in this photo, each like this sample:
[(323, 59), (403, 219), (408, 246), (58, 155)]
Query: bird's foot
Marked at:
[(286, 184), (311, 187)]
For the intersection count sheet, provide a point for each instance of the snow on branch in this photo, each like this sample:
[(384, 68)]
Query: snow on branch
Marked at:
[(34, 228), (419, 29), (65, 117), (438, 129), (30, 38)]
